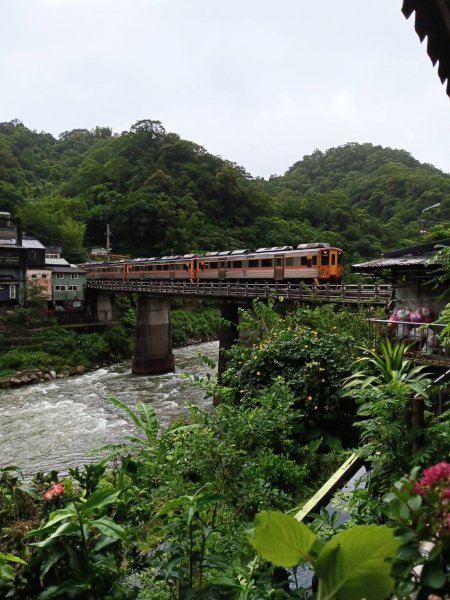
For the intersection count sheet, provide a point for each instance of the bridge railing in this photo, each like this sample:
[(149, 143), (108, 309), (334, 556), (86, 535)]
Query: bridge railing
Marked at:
[(352, 293)]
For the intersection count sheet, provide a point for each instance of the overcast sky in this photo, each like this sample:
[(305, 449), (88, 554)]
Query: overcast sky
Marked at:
[(259, 82)]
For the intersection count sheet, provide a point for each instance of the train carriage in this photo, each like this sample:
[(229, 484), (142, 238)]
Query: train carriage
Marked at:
[(312, 263)]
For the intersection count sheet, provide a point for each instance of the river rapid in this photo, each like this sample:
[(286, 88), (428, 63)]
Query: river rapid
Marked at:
[(56, 424)]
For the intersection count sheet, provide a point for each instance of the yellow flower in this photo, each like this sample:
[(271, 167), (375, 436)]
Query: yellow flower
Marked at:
[(309, 398), (321, 369), (322, 380), (258, 373), (289, 328), (241, 391), (306, 346), (280, 298)]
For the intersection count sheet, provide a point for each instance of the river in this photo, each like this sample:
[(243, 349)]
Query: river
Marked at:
[(55, 425)]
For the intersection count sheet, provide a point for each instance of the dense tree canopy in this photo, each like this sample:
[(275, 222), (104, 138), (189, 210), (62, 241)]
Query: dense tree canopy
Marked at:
[(160, 194)]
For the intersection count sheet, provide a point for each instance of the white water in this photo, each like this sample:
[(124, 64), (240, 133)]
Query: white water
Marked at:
[(54, 425)]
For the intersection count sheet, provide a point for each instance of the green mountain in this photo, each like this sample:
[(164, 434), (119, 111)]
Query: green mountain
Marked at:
[(162, 194)]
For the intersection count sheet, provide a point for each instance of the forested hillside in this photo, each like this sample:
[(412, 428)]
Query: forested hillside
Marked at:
[(162, 194)]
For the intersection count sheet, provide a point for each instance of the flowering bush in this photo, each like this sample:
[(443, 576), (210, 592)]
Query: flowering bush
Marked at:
[(420, 508), (434, 487), (312, 362)]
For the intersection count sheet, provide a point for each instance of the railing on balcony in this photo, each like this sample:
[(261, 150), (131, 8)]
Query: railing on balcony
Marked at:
[(423, 339)]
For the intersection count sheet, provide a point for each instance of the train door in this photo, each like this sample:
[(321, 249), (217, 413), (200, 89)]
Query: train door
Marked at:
[(125, 270), (324, 265), (335, 267), (279, 268), (193, 267)]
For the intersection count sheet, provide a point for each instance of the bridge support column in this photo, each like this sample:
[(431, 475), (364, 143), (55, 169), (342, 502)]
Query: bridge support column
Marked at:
[(153, 344), (104, 307), (228, 335)]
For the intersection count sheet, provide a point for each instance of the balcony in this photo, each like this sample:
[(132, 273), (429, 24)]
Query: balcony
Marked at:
[(423, 339)]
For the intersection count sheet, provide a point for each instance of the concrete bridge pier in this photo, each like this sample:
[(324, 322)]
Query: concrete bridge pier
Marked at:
[(153, 343), (104, 307), (229, 334)]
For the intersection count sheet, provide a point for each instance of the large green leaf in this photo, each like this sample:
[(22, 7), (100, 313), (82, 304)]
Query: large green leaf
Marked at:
[(55, 517), (354, 564), (66, 529), (100, 498), (110, 528), (149, 421), (281, 539), (12, 558)]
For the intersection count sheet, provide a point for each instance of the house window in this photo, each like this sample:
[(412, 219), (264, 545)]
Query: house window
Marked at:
[(74, 276), (12, 292), (59, 275), (34, 276), (72, 288), (60, 288)]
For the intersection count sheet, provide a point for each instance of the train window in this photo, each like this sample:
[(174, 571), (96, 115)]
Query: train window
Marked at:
[(333, 259), (213, 265), (289, 261), (304, 261), (253, 263), (314, 259), (324, 259), (267, 262), (236, 264), (339, 258), (279, 261)]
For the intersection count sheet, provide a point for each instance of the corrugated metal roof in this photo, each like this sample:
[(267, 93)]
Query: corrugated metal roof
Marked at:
[(30, 242), (386, 263), (56, 262), (411, 256)]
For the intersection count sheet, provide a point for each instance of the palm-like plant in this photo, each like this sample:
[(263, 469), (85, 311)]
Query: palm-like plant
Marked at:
[(387, 366)]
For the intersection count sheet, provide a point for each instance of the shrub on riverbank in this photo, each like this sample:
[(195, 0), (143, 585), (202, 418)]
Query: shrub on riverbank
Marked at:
[(57, 347), (198, 325)]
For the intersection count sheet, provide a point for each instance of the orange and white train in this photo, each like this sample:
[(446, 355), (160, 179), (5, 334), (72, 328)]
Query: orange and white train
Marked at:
[(312, 263)]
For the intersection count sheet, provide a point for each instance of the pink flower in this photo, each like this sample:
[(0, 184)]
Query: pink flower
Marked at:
[(437, 474), (58, 488), (55, 490)]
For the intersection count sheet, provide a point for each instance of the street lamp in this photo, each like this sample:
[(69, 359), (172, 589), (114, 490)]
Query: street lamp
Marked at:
[(421, 221)]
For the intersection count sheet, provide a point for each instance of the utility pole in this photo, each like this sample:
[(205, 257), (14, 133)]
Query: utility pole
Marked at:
[(108, 245)]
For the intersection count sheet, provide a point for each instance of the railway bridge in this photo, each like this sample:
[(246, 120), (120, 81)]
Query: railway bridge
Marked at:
[(153, 347)]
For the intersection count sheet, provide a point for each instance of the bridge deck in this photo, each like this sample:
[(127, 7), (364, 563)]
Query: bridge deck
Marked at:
[(344, 293)]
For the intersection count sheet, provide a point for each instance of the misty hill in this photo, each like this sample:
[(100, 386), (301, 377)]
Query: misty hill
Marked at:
[(162, 194)]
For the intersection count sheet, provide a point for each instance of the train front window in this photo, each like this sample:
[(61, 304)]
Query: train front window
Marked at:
[(333, 259), (324, 259)]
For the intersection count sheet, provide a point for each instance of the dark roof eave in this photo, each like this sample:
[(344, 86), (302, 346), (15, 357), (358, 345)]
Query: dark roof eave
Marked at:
[(432, 21)]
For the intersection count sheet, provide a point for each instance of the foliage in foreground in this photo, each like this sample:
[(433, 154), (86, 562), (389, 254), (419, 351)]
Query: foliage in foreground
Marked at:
[(170, 517)]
